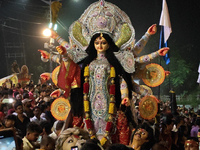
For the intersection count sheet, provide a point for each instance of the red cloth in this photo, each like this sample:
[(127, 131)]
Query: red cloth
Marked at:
[(66, 76)]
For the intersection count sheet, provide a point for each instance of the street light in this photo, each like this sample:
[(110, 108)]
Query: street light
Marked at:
[(49, 45), (47, 32)]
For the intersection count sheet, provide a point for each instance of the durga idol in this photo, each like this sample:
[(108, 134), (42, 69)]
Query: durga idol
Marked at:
[(96, 68)]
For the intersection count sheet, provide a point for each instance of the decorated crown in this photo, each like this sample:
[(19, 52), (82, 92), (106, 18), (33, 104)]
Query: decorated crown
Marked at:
[(103, 17)]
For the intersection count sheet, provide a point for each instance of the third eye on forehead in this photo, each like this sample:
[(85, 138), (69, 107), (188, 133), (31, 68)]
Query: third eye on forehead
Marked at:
[(100, 39)]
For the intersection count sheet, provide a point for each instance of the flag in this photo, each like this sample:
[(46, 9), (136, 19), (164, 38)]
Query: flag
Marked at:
[(198, 80), (166, 29)]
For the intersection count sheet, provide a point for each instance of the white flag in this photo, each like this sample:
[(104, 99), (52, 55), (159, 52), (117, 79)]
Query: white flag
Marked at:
[(198, 80), (165, 21)]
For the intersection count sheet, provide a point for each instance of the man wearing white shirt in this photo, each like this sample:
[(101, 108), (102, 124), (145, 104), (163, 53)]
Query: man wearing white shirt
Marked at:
[(37, 112)]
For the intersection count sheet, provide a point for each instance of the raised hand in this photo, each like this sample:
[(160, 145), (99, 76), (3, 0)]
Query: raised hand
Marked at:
[(56, 93), (163, 51), (44, 54), (61, 50), (126, 102), (167, 73), (45, 76), (152, 29), (54, 35)]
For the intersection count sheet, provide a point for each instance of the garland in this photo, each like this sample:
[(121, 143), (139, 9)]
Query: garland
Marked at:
[(111, 111)]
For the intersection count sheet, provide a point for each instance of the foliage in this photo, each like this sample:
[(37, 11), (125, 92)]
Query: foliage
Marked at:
[(192, 99), (183, 71)]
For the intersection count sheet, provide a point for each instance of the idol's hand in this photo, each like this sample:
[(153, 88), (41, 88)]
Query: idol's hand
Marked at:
[(44, 54), (45, 76), (56, 93), (163, 51), (61, 50), (167, 73), (152, 29), (54, 35), (126, 102)]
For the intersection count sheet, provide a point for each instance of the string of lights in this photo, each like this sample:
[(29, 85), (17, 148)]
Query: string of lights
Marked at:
[(26, 14), (14, 19), (29, 5), (35, 36)]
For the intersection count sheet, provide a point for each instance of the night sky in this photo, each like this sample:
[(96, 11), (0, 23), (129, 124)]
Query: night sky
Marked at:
[(22, 21)]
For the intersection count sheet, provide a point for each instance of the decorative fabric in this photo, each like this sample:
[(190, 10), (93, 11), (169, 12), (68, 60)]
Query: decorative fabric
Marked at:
[(123, 128), (78, 122), (69, 71), (99, 74)]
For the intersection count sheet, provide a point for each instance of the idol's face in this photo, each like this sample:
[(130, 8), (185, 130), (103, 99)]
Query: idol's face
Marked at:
[(73, 140), (100, 44)]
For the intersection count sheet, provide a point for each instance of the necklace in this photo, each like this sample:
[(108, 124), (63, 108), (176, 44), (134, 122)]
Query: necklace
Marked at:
[(111, 110)]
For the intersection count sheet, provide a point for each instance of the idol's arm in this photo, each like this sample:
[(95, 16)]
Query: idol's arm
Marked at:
[(69, 50), (129, 109), (149, 57), (45, 56), (60, 40), (124, 93), (143, 41)]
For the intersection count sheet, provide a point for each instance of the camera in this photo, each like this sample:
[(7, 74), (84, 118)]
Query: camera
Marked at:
[(74, 148)]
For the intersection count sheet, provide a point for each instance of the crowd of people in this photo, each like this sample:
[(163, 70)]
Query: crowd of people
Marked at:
[(27, 112)]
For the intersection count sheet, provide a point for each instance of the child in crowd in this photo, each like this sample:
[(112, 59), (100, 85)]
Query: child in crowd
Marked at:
[(10, 121), (46, 128), (47, 143), (33, 132)]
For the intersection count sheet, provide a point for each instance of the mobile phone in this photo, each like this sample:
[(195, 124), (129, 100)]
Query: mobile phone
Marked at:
[(7, 139), (74, 148)]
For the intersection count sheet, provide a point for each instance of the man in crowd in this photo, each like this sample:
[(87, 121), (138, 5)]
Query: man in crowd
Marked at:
[(21, 120)]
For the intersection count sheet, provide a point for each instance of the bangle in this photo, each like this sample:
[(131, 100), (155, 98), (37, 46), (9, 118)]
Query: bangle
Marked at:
[(58, 38)]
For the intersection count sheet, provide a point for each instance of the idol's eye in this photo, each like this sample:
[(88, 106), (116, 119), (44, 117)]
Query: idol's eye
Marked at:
[(143, 133), (96, 43), (104, 43), (70, 141)]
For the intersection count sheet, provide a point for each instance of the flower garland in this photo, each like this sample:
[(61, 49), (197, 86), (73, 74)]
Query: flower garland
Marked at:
[(111, 111)]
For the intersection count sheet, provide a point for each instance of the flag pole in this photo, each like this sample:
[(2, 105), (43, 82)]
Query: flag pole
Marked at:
[(164, 34)]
